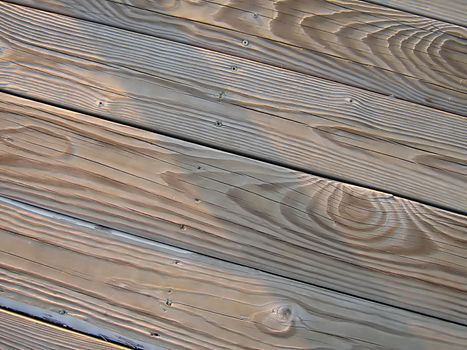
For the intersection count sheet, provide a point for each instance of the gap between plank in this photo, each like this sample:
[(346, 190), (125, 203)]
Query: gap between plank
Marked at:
[(62, 322)]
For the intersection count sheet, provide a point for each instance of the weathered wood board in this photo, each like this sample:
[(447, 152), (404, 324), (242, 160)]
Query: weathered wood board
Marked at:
[(339, 236), (453, 11), (279, 167), (396, 36), (361, 32), (21, 333), (155, 294), (307, 123)]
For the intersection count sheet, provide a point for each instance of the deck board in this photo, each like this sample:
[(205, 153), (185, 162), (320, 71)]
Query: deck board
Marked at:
[(453, 11), (200, 26), (260, 111), (22, 333), (233, 174), (154, 294), (339, 236)]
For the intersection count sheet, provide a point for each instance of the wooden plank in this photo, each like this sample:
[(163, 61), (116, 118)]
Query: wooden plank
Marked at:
[(156, 18), (452, 11), (339, 236), (296, 120), (187, 301), (20, 333), (351, 29)]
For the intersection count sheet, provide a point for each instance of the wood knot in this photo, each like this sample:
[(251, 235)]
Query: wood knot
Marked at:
[(283, 313), (278, 320)]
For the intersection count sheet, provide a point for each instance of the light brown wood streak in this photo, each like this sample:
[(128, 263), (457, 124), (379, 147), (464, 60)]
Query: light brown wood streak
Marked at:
[(22, 333), (187, 301), (451, 11), (147, 20), (344, 237), (311, 124)]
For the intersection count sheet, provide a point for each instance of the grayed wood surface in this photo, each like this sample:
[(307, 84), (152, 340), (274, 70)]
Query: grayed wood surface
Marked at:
[(292, 119), (180, 300), (22, 333), (155, 18), (453, 11), (344, 237)]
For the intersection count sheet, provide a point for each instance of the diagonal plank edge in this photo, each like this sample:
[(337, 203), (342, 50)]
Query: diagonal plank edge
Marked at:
[(18, 332), (364, 138), (154, 294), (339, 236), (159, 20)]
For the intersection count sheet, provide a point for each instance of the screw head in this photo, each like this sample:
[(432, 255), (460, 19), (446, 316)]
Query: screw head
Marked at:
[(245, 42)]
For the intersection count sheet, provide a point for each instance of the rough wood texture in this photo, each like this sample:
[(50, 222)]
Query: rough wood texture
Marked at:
[(153, 18), (344, 237), (22, 333), (180, 300), (260, 111), (453, 11)]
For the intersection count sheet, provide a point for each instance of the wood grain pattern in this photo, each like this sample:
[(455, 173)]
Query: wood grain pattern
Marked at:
[(22, 333), (361, 32), (179, 300), (260, 111), (344, 237), (156, 19), (452, 11)]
